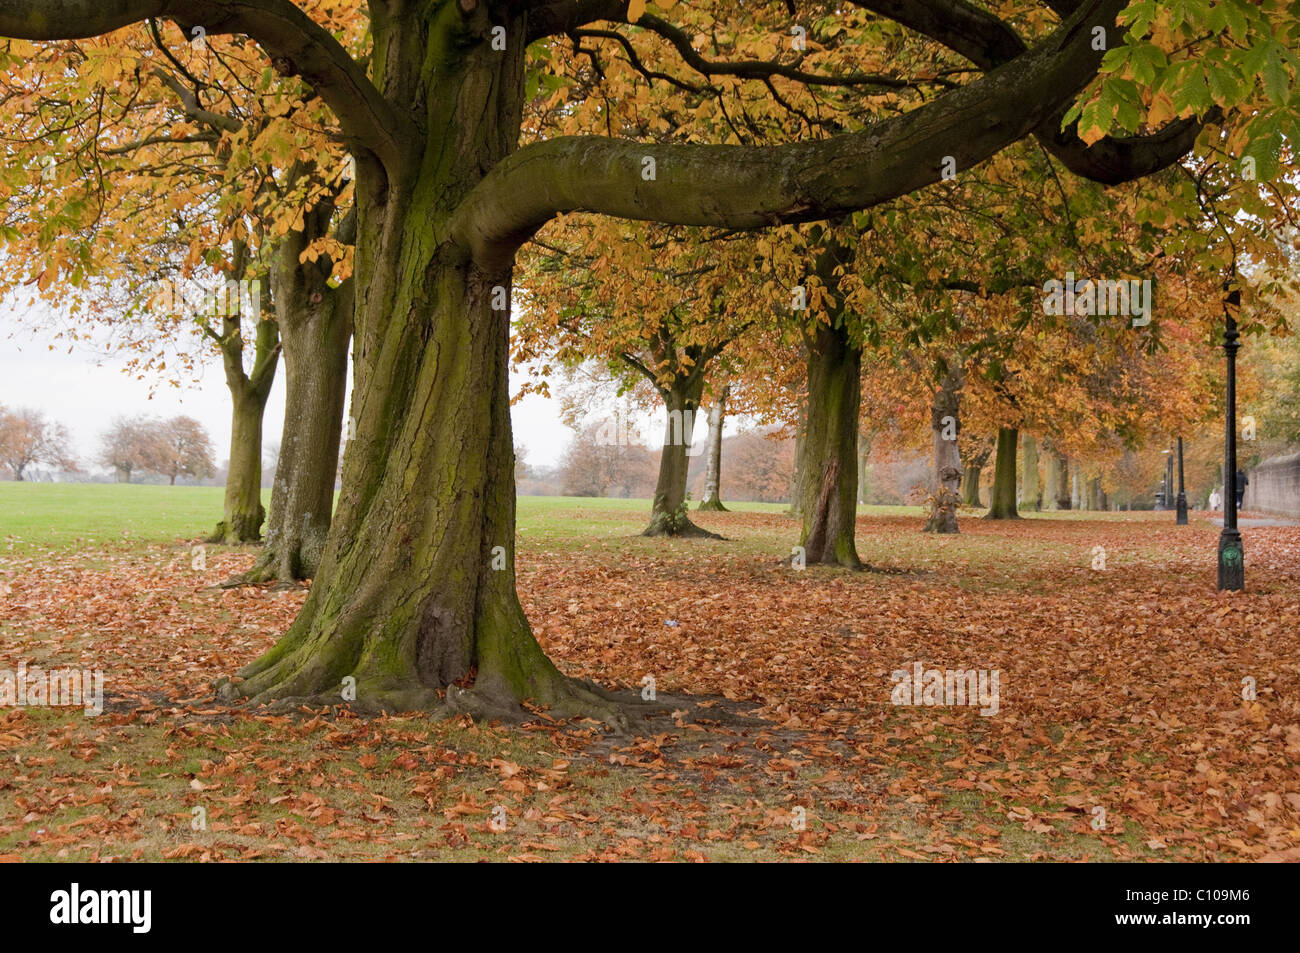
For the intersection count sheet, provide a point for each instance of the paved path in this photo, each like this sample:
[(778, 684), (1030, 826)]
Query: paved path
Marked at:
[(1245, 523)]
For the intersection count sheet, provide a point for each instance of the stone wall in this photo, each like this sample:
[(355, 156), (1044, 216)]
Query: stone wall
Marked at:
[(1275, 486)]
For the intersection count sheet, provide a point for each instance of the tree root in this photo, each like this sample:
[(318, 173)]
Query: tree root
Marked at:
[(684, 529), (712, 506), (569, 698)]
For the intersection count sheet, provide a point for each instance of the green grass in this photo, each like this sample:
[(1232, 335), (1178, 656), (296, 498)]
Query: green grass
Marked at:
[(62, 515)]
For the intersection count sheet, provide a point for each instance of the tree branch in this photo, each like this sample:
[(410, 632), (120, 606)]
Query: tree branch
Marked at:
[(297, 45), (757, 186)]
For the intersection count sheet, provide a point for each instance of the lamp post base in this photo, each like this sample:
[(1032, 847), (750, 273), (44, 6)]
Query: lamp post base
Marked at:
[(1232, 563), (1181, 519)]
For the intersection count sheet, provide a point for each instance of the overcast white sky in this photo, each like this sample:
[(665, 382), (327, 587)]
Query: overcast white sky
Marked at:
[(86, 388)]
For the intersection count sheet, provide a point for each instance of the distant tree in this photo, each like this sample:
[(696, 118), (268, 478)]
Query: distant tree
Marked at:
[(758, 466), (125, 445), (178, 447), (27, 438), (607, 459)]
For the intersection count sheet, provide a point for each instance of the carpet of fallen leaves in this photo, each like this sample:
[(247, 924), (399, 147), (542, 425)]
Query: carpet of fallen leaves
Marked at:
[(1122, 730)]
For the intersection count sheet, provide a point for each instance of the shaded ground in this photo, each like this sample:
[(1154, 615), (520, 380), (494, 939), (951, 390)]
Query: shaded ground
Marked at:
[(1120, 689)]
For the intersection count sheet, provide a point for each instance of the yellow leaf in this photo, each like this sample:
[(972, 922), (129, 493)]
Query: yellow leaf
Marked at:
[(635, 10)]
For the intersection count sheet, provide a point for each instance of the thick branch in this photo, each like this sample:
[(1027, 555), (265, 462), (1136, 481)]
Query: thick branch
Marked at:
[(756, 186), (989, 43)]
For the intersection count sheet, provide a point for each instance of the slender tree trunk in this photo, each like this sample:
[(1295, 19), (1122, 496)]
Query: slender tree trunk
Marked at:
[(1031, 493), (668, 512), (1095, 501), (1051, 476), (243, 511), (1002, 505), (1061, 488), (1076, 501), (970, 495), (415, 594), (796, 476), (713, 474), (315, 326), (829, 462), (945, 410), (865, 440)]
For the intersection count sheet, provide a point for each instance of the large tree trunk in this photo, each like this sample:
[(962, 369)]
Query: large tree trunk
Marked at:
[(1002, 505), (713, 474), (828, 463), (415, 593), (1031, 492), (945, 412), (315, 326), (668, 511)]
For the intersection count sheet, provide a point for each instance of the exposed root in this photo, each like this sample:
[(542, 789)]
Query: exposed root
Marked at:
[(683, 528), (570, 698), (712, 506)]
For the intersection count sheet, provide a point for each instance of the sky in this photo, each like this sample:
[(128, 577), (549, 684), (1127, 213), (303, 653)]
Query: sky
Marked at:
[(86, 388)]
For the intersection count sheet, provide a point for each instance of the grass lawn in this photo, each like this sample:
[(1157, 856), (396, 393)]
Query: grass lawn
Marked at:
[(1121, 690)]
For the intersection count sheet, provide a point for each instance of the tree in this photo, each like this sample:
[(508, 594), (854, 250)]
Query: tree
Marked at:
[(179, 447), (408, 600), (27, 438), (712, 499), (126, 446), (216, 172)]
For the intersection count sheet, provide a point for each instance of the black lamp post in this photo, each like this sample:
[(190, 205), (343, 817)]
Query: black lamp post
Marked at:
[(1181, 519), (1232, 564)]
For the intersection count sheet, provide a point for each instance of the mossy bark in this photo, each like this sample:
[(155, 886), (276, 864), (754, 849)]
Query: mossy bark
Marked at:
[(828, 461), (1002, 502), (415, 594), (315, 323), (242, 511)]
